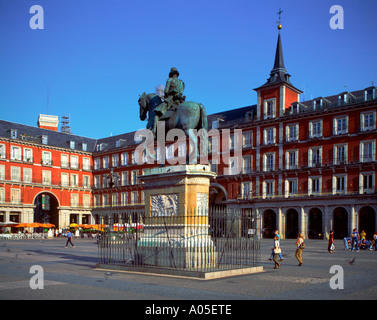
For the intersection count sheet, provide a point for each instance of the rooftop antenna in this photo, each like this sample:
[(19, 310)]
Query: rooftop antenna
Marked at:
[(66, 128), (48, 97)]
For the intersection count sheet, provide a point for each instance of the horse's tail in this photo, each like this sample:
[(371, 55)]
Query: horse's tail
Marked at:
[(203, 122)]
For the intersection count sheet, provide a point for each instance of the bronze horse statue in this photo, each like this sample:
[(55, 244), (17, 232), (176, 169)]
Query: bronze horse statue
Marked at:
[(187, 116)]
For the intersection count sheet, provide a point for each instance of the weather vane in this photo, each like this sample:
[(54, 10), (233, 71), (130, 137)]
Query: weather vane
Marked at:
[(279, 22)]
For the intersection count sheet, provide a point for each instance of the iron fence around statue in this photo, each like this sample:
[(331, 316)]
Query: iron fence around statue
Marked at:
[(218, 240)]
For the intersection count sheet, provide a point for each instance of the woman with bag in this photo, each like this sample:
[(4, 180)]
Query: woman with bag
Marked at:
[(276, 249), (331, 246), (300, 246)]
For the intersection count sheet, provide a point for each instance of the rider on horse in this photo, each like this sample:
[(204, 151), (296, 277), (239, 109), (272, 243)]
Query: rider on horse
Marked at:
[(173, 94)]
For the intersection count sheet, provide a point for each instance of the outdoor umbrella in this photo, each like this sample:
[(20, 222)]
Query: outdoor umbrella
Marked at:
[(8, 224)]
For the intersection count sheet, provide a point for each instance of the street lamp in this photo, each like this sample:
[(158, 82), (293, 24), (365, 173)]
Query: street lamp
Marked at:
[(112, 179)]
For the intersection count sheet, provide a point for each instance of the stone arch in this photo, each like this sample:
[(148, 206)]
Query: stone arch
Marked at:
[(315, 224), (46, 208), (340, 222), (217, 194), (291, 223), (269, 223), (367, 221)]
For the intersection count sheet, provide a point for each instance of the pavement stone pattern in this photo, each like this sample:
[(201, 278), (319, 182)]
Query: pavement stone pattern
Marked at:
[(70, 273)]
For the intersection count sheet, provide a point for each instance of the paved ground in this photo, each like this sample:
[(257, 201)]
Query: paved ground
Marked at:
[(70, 274)]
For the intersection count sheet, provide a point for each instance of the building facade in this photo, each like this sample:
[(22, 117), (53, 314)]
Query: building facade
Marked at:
[(307, 167)]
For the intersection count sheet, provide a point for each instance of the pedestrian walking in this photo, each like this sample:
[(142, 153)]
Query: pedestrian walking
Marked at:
[(331, 245), (355, 240), (272, 251), (69, 240), (375, 241), (276, 249), (300, 246)]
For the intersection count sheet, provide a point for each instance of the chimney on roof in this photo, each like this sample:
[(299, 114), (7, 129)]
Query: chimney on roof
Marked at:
[(48, 122)]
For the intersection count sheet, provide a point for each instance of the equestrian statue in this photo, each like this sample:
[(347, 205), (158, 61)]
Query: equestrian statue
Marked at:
[(173, 109)]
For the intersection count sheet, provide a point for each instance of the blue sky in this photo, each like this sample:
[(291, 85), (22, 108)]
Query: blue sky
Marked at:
[(97, 56)]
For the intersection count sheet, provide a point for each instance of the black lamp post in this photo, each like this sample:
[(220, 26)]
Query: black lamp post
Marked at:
[(112, 178)]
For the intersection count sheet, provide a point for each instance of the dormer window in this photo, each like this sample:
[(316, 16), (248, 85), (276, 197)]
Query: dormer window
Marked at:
[(317, 104), (13, 134), (370, 94), (72, 144), (248, 116), (84, 147), (345, 98), (44, 139), (216, 123)]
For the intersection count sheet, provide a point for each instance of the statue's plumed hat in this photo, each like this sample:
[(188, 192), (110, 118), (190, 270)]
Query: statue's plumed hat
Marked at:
[(173, 71)]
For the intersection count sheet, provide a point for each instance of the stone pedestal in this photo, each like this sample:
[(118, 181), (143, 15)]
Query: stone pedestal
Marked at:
[(176, 228)]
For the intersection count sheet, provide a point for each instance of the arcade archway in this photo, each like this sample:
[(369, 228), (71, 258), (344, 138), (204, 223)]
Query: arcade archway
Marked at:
[(315, 224), (340, 223), (367, 221), (269, 223), (291, 230), (46, 208)]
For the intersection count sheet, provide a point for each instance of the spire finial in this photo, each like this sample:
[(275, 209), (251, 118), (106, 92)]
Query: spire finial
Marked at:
[(279, 21)]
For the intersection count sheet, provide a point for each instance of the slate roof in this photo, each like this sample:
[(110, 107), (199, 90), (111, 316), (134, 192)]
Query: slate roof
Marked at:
[(55, 138)]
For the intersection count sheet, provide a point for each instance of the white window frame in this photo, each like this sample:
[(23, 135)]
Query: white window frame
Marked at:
[(312, 125), (3, 153), (313, 153), (28, 175), (74, 162), (74, 199), (124, 178), (370, 189), (97, 163), (265, 158), (86, 181), (335, 188), (16, 153), (2, 172), (295, 136), (246, 190), (288, 191), (85, 163), (267, 133), (247, 164), (266, 104), (372, 156), (115, 160), (74, 180), (124, 198), (291, 159), (64, 179), (247, 139), (337, 160), (15, 196), (105, 162), (369, 126), (86, 200), (46, 158), (311, 190), (15, 174), (2, 195), (97, 181), (46, 177), (336, 129), (268, 189)]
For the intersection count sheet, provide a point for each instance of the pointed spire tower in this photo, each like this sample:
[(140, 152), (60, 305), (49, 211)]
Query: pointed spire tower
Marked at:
[(278, 93)]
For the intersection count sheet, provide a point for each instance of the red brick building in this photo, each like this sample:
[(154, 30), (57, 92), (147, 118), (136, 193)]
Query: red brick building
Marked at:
[(307, 166)]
